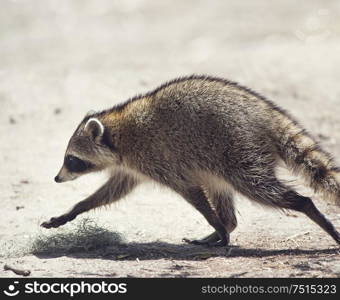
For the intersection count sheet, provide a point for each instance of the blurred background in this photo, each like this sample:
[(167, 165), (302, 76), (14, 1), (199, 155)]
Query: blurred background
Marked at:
[(61, 58)]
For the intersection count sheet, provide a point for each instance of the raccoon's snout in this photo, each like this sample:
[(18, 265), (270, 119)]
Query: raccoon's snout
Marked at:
[(64, 176), (60, 178)]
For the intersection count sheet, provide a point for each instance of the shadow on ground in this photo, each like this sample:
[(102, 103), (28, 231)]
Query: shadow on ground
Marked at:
[(92, 241)]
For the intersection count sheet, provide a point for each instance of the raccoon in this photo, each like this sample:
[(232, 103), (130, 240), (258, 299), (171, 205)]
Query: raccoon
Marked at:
[(205, 138)]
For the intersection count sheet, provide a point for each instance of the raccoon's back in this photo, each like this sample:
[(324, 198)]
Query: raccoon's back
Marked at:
[(210, 104), (200, 117)]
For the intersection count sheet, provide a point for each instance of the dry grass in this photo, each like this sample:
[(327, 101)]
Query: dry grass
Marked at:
[(82, 236)]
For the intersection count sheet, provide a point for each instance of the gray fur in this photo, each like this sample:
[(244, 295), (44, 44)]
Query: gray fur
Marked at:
[(205, 138)]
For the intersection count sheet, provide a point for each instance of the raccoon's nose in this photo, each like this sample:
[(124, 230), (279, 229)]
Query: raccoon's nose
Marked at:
[(57, 179)]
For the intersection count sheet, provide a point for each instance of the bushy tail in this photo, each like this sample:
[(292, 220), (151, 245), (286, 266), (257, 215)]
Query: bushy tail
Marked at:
[(303, 155)]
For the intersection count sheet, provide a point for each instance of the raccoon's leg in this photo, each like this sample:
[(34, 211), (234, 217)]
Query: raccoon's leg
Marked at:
[(270, 191), (198, 199), (114, 189), (306, 205), (223, 204)]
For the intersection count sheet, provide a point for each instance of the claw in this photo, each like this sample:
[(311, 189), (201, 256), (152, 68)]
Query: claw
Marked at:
[(57, 221)]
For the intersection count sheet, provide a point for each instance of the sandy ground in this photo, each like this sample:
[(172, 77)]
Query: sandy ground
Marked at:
[(60, 59)]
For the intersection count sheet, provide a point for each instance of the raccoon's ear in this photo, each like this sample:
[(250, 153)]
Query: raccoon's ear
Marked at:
[(94, 128)]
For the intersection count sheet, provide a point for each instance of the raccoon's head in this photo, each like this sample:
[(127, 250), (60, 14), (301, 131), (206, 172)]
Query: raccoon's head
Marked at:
[(88, 151)]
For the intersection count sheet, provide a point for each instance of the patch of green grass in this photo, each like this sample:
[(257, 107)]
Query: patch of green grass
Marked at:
[(82, 236)]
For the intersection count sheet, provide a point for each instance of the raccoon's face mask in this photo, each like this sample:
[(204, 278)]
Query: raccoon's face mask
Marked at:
[(86, 152)]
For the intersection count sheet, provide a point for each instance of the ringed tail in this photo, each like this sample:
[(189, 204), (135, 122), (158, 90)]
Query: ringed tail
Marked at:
[(303, 155)]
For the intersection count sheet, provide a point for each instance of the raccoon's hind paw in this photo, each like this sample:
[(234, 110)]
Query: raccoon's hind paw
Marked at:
[(212, 240), (57, 221)]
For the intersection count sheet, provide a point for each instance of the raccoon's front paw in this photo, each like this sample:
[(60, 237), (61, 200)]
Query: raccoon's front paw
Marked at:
[(57, 221)]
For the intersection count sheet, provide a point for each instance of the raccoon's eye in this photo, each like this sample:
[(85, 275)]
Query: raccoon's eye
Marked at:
[(74, 164)]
